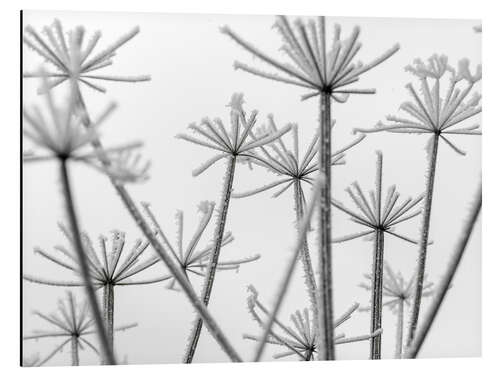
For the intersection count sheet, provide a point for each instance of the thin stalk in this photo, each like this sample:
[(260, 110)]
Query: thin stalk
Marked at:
[(178, 274), (424, 238), (445, 283), (306, 256), (325, 292), (214, 257), (108, 307), (106, 350), (290, 267), (377, 290), (399, 329), (75, 358)]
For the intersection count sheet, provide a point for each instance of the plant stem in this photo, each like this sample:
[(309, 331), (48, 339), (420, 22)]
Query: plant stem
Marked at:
[(424, 238), (214, 257), (285, 283), (178, 274), (399, 329), (75, 359), (445, 283), (106, 350), (306, 257), (109, 311), (326, 327), (377, 290)]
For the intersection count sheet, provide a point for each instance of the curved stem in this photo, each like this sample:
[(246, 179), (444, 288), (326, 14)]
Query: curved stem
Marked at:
[(325, 292), (214, 257), (306, 256), (445, 283), (185, 285), (109, 311), (377, 290), (424, 238), (399, 329), (75, 358), (106, 350)]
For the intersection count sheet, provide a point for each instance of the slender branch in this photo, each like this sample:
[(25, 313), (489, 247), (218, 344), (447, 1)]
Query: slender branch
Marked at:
[(109, 311), (445, 283), (424, 238), (214, 257), (325, 293), (377, 292), (399, 329), (304, 227), (305, 255), (107, 351), (75, 358)]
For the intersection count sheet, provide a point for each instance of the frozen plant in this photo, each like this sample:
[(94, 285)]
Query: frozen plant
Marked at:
[(72, 323), (441, 117), (62, 135), (110, 266), (234, 145), (327, 72), (302, 339), (378, 218)]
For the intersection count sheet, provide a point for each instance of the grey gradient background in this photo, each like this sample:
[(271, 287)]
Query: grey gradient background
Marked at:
[(190, 62)]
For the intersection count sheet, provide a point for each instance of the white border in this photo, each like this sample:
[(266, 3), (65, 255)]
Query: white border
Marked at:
[(9, 169)]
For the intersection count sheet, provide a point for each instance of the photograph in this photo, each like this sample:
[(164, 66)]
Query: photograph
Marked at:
[(202, 188)]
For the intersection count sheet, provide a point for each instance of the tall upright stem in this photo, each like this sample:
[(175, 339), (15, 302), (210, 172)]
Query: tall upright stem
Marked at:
[(108, 305), (305, 255), (424, 238), (178, 274), (106, 349), (325, 292), (377, 290), (399, 329), (75, 358), (214, 257), (445, 282)]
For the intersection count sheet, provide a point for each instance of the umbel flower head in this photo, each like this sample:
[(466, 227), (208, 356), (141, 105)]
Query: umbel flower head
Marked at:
[(190, 258), (108, 263), (286, 163), (63, 132), (72, 58), (302, 338), (437, 111), (315, 63), (70, 322), (396, 288), (233, 142), (376, 213)]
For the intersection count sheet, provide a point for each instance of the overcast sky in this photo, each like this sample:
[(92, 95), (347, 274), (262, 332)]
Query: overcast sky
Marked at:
[(190, 62)]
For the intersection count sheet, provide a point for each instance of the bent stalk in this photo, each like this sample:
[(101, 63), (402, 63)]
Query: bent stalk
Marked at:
[(445, 283), (326, 328), (106, 349), (424, 238), (214, 258)]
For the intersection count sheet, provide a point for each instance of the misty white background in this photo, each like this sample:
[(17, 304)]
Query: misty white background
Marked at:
[(192, 76)]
